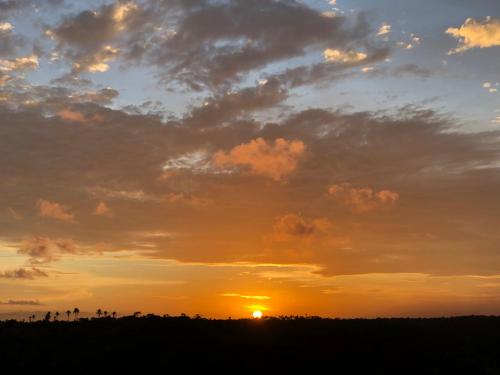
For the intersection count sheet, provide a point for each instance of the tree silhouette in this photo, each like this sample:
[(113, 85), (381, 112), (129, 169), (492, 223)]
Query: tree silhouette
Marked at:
[(99, 313), (56, 315), (47, 317), (113, 314), (137, 314), (76, 313), (68, 313), (105, 313)]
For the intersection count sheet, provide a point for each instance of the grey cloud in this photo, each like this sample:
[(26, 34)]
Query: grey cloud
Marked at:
[(204, 43), (217, 43), (23, 274), (44, 250)]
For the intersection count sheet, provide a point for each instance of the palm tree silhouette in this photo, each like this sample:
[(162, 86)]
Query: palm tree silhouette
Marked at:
[(56, 315), (47, 317), (105, 313), (68, 313), (99, 313), (113, 314), (76, 312)]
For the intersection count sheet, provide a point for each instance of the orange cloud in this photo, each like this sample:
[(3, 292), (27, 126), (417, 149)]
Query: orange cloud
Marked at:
[(75, 116), (245, 296), (476, 34), (362, 199), (347, 57), (102, 209), (262, 158), (54, 210)]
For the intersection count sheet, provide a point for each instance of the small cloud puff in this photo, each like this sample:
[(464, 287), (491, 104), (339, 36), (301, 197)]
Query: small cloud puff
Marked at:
[(362, 199)]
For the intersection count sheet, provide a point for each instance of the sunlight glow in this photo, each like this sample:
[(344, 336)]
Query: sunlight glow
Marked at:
[(257, 314)]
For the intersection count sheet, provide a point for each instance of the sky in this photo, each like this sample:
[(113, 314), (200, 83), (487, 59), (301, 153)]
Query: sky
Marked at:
[(218, 157)]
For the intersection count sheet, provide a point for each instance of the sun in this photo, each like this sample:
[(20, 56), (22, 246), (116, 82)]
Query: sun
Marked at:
[(257, 314)]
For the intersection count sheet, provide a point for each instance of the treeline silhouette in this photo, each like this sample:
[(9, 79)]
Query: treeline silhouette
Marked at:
[(277, 345)]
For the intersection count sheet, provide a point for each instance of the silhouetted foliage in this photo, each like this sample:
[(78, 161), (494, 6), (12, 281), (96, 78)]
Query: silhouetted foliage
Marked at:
[(287, 344)]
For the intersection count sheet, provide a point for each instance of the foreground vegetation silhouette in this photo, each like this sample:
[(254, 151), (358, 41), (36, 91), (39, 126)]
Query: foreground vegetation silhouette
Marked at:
[(261, 346)]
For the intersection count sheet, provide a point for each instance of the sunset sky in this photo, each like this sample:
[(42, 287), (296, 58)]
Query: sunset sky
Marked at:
[(217, 157)]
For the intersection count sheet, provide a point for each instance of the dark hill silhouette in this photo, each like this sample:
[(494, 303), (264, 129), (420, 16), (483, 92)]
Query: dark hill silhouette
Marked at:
[(179, 345)]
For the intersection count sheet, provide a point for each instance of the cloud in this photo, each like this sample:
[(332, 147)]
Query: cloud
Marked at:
[(19, 64), (45, 250), (23, 274), (476, 34), (384, 29), (220, 108), (85, 38), (183, 198), (335, 55), (204, 44), (22, 303), (54, 210), (362, 199), (263, 158), (5, 26), (76, 116), (492, 87), (14, 214), (215, 43), (293, 227), (422, 155), (260, 298), (102, 209)]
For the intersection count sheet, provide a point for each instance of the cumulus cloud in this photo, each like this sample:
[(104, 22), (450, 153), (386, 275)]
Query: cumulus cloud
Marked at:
[(85, 38), (23, 274), (19, 64), (362, 199), (263, 158), (45, 250), (476, 34), (54, 210)]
